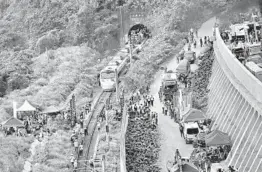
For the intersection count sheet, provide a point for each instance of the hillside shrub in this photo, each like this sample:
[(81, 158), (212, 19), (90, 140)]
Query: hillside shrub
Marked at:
[(13, 152)]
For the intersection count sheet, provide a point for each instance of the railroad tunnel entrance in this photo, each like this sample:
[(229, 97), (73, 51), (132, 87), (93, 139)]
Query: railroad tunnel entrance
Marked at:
[(139, 32)]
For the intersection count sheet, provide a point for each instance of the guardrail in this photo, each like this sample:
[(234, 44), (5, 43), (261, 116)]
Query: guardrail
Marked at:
[(249, 81), (123, 140)]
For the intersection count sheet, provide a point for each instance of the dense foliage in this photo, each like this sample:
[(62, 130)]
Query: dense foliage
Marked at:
[(13, 152), (49, 49), (54, 154)]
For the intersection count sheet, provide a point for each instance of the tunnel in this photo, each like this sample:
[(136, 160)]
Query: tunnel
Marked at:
[(139, 27)]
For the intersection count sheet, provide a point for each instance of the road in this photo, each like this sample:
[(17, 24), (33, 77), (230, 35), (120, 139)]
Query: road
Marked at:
[(170, 136)]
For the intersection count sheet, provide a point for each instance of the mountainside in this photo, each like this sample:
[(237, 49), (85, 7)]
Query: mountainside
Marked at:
[(50, 48)]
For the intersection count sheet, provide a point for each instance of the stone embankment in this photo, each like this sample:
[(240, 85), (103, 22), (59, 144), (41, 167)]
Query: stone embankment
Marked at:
[(235, 103)]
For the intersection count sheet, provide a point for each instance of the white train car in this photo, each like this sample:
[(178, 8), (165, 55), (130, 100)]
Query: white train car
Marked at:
[(108, 74)]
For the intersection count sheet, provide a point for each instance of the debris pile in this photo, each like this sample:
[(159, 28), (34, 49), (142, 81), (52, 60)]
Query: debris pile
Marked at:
[(200, 79)]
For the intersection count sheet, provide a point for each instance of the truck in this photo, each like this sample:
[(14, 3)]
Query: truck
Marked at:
[(190, 56), (183, 68), (191, 130), (169, 86)]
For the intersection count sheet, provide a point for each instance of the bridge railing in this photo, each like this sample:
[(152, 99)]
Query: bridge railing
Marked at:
[(249, 81)]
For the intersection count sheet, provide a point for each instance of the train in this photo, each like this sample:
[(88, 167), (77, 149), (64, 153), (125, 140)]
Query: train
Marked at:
[(115, 66), (118, 64)]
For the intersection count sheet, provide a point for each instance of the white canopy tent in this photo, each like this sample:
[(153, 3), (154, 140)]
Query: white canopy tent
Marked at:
[(26, 107)]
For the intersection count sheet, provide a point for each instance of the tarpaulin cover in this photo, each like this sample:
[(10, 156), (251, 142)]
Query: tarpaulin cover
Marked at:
[(51, 109), (183, 66), (217, 138), (26, 107), (193, 115), (13, 122)]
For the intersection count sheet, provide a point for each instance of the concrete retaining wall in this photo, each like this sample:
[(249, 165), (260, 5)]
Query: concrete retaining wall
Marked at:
[(235, 103)]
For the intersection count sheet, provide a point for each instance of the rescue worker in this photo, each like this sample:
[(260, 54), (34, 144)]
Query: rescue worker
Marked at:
[(135, 108), (148, 101), (91, 163), (76, 145), (191, 31), (195, 43), (177, 155), (201, 42), (98, 80), (98, 126), (72, 137), (72, 159), (189, 47), (196, 33), (81, 148), (75, 164), (81, 122), (152, 101), (86, 131), (165, 110), (181, 129), (147, 88)]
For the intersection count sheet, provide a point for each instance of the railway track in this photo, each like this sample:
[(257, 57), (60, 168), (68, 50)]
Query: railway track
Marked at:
[(90, 139)]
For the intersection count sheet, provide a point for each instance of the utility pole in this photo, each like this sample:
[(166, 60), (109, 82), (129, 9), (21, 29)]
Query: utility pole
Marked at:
[(131, 49), (121, 27), (103, 163), (107, 130), (116, 86)]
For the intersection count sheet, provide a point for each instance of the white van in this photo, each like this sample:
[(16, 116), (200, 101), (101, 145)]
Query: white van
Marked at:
[(191, 129)]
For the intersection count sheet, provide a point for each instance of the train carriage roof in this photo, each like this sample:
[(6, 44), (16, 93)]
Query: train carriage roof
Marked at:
[(109, 68), (115, 63), (169, 76)]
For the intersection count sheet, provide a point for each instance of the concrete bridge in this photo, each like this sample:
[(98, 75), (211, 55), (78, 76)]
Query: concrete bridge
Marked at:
[(235, 103)]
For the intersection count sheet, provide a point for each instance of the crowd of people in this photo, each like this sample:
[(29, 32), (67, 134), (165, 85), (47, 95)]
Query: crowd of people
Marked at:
[(142, 137), (138, 35), (191, 40)]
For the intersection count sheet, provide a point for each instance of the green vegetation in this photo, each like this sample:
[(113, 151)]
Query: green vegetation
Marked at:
[(49, 49), (14, 150), (54, 154)]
